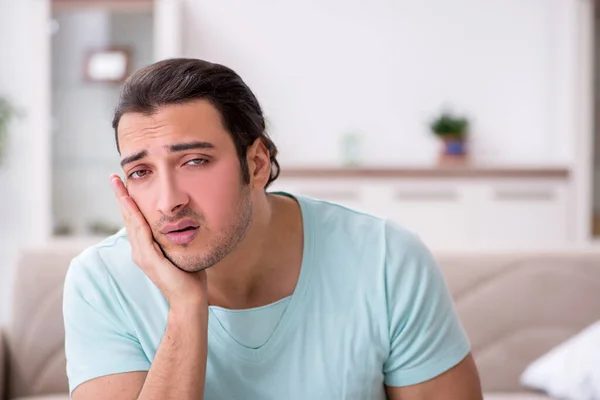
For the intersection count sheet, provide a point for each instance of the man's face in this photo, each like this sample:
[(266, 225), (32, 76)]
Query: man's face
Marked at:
[(182, 170)]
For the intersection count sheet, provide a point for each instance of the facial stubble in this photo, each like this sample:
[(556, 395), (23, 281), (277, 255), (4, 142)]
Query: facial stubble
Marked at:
[(221, 244)]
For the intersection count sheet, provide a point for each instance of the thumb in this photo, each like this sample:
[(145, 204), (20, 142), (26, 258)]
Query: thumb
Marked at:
[(158, 249)]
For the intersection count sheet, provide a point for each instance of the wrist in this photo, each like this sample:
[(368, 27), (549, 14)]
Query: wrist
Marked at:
[(189, 309)]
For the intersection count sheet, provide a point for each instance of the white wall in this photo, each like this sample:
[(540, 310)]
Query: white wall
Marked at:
[(25, 178), (323, 67)]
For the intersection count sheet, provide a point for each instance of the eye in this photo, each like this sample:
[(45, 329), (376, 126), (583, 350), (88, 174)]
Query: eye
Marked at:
[(197, 161), (139, 174)]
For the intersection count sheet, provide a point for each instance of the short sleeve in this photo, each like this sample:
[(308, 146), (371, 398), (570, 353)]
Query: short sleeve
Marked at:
[(426, 335), (98, 337)]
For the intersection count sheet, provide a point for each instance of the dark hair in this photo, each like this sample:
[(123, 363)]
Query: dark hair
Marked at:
[(181, 80)]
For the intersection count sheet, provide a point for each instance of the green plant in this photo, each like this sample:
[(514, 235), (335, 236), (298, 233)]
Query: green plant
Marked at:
[(7, 112), (450, 125)]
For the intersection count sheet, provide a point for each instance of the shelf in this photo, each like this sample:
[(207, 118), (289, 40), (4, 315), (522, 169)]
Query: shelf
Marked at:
[(105, 5), (466, 171)]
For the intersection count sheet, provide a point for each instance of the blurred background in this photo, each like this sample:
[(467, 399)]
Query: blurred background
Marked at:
[(472, 123), (362, 98)]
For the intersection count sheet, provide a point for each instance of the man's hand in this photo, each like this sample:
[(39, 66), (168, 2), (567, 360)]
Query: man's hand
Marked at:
[(178, 369), (180, 288)]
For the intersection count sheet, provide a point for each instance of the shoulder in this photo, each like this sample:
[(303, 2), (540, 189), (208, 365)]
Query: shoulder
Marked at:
[(370, 246), (343, 222), (405, 250), (327, 212), (395, 241), (95, 267)]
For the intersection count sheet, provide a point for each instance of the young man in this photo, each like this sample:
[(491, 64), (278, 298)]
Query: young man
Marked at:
[(217, 289)]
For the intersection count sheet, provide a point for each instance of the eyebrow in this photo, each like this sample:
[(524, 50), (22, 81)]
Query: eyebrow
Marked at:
[(133, 158), (174, 148), (190, 146)]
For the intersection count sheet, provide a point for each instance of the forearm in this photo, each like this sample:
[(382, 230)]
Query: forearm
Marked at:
[(178, 370)]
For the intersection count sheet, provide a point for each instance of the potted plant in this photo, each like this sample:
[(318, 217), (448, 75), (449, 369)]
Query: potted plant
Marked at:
[(453, 131), (7, 112)]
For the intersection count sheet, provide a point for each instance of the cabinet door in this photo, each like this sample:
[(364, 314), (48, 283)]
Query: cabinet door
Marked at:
[(522, 213), (346, 192), (436, 211)]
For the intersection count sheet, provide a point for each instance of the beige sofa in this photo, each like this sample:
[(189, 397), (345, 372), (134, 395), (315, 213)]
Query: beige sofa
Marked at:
[(514, 307)]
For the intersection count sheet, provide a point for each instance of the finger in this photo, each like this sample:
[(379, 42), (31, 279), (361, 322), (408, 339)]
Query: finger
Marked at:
[(139, 234), (121, 194), (118, 186), (134, 220), (137, 218), (158, 250), (129, 208)]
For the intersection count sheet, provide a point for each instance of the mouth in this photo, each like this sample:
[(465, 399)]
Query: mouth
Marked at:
[(182, 236), (181, 233), (186, 229)]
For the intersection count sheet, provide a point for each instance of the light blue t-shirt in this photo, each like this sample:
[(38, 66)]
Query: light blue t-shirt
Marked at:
[(242, 326), (370, 308)]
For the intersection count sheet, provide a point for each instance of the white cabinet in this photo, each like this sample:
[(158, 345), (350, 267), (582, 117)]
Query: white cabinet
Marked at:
[(522, 213), (345, 193), (455, 214), (438, 213)]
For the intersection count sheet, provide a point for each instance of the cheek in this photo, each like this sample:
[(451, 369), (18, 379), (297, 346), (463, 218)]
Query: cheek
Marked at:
[(217, 193), (144, 197)]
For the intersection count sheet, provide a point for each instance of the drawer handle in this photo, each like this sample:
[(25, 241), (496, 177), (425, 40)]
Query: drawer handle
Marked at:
[(426, 196), (524, 195)]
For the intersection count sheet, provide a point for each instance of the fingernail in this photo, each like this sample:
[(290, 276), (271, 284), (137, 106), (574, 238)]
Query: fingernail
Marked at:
[(113, 182)]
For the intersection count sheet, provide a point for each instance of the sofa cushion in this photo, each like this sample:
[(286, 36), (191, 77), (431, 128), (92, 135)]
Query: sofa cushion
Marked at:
[(515, 306), (35, 333), (515, 396)]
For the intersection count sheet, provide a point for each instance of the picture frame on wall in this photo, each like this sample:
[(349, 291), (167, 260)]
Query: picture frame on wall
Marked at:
[(108, 65)]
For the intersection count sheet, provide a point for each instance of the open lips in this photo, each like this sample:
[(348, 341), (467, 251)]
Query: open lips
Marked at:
[(182, 232)]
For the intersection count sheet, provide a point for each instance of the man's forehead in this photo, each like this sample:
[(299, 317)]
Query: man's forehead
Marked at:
[(187, 118), (171, 129), (197, 109)]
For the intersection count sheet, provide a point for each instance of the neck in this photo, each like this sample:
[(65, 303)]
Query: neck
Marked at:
[(264, 266)]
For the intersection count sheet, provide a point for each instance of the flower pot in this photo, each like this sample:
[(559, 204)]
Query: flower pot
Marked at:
[(453, 150)]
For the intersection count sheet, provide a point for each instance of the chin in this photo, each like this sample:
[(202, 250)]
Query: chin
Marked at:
[(188, 261), (185, 257), (192, 258)]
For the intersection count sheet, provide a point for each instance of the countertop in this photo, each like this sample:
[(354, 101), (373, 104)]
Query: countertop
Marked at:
[(429, 171)]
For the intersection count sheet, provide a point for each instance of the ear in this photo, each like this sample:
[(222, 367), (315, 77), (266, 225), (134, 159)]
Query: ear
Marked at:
[(259, 164)]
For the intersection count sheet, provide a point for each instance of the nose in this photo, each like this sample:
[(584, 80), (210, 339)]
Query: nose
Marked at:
[(171, 197)]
